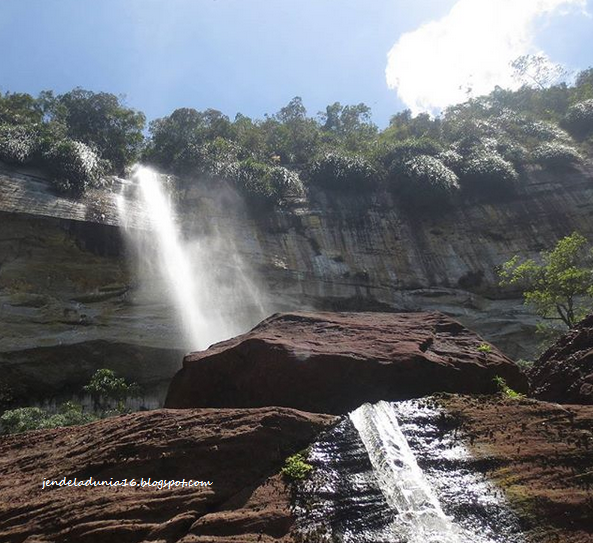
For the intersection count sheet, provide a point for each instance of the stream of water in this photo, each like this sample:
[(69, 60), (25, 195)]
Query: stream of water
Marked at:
[(390, 473), (203, 279)]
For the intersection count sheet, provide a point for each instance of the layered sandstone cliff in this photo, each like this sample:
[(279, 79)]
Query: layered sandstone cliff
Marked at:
[(70, 302)]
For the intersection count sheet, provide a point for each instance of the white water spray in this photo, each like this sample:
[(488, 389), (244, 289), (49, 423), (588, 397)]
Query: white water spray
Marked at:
[(204, 279), (420, 516)]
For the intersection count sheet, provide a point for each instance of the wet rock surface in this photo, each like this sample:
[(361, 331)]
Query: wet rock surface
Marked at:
[(564, 373), (240, 451), (394, 473), (505, 470), (334, 362), (540, 454)]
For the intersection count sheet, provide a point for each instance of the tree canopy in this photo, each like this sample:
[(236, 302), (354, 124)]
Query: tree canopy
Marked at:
[(479, 149)]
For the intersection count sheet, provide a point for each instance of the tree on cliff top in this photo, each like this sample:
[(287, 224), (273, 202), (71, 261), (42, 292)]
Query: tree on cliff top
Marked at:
[(560, 288)]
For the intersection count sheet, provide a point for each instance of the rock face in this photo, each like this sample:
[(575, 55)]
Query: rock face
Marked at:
[(241, 452), (503, 470), (564, 373), (540, 454), (65, 278), (334, 362)]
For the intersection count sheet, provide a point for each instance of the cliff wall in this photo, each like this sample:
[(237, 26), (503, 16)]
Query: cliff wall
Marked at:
[(70, 301)]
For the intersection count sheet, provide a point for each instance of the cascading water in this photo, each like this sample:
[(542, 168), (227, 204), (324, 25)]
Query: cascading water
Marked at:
[(208, 287), (420, 518), (389, 473)]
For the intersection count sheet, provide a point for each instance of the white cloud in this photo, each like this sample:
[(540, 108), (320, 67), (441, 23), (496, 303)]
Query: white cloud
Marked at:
[(470, 48)]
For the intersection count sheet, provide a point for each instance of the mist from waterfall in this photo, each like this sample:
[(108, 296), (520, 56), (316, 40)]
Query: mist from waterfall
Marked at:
[(203, 278)]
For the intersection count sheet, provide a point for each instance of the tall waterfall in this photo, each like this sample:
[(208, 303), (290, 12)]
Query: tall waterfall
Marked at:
[(391, 473), (203, 278)]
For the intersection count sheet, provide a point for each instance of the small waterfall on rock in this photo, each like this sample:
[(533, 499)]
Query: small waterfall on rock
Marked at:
[(204, 279), (420, 517), (393, 473)]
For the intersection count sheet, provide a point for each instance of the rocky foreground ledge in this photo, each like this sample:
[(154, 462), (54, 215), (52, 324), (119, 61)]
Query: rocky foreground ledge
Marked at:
[(541, 454), (564, 373), (334, 362), (240, 451)]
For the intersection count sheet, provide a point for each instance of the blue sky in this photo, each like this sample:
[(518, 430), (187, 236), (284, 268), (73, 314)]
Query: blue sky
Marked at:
[(253, 56)]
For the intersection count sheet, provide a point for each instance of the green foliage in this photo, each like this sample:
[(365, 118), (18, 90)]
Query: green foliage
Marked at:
[(101, 121), (485, 172), (505, 390), (20, 109), (69, 414), (423, 180), (184, 129), (484, 348), (350, 127), (285, 183), (561, 286), (107, 389), (22, 419), (210, 159), (18, 143), (556, 156), (25, 419), (579, 118), (388, 153), (73, 165), (403, 126), (486, 142), (296, 468), (524, 365), (342, 171), (265, 184)]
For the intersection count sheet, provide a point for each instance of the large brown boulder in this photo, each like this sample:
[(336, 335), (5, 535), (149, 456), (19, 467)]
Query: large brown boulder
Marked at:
[(239, 451), (564, 373), (334, 362)]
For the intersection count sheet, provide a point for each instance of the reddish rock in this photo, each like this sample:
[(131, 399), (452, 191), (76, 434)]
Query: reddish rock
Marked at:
[(240, 451), (540, 454), (564, 373), (334, 362)]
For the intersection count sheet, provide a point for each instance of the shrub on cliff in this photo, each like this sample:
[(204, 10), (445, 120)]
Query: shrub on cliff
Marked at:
[(18, 143), (485, 173), (334, 170), (386, 154), (264, 184), (556, 156), (579, 118), (423, 181), (73, 165)]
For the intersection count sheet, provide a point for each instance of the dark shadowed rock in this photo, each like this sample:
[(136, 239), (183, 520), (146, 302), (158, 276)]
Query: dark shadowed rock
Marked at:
[(240, 451), (564, 373), (334, 362)]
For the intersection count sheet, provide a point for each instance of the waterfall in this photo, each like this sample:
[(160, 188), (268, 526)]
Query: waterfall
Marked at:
[(203, 279), (391, 473), (420, 518)]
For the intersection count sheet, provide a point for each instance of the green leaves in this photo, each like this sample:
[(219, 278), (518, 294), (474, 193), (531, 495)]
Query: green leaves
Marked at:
[(555, 286), (296, 468)]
